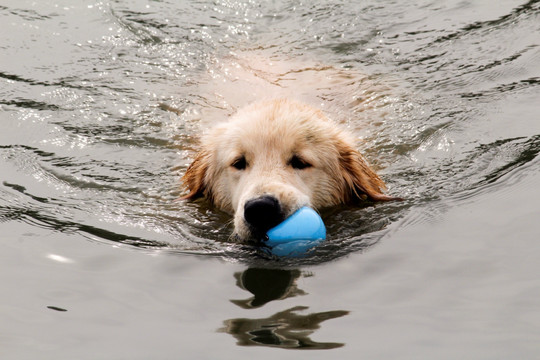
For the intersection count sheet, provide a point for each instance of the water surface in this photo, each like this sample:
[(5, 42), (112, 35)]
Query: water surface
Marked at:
[(101, 108)]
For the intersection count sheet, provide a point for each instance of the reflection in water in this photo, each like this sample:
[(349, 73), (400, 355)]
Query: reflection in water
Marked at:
[(285, 329), (267, 285)]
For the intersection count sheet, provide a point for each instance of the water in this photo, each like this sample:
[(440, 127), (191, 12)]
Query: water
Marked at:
[(101, 106)]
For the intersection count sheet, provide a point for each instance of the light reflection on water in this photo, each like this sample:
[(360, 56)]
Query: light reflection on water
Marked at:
[(156, 83)]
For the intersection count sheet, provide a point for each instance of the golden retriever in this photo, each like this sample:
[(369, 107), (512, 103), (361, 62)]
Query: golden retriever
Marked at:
[(273, 157)]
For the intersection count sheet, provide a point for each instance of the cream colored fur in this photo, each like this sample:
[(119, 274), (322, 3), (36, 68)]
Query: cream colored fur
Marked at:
[(267, 135)]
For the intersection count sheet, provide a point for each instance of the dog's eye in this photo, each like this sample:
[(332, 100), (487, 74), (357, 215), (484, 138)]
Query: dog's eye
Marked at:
[(239, 163), (298, 163)]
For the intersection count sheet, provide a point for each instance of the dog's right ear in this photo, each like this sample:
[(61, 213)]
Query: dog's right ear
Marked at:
[(194, 180)]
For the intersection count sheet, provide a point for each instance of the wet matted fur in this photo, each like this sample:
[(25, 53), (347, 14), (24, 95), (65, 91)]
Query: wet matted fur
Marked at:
[(281, 150)]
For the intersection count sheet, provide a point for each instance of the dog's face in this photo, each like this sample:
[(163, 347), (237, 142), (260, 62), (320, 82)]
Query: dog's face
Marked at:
[(272, 158)]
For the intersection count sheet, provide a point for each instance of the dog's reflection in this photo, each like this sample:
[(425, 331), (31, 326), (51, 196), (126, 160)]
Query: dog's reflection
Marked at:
[(266, 285), (286, 329)]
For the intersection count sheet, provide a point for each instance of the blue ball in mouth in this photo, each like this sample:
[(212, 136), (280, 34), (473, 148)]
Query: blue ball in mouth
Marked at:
[(297, 234)]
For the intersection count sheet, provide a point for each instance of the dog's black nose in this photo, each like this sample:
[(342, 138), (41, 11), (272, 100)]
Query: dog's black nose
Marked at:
[(263, 213)]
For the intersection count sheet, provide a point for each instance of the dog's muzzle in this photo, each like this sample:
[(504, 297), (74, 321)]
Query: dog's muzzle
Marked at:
[(262, 214)]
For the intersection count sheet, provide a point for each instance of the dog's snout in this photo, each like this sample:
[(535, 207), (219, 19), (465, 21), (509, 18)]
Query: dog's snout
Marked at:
[(263, 213)]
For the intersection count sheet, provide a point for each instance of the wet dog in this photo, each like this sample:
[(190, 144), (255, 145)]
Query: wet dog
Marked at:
[(273, 157)]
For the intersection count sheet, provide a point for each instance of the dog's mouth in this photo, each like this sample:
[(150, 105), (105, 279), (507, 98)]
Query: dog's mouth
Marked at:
[(259, 213)]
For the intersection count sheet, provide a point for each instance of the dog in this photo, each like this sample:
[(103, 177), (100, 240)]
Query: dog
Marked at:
[(272, 158)]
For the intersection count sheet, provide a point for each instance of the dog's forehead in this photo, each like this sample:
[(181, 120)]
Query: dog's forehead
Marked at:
[(281, 135), (281, 121), (274, 130)]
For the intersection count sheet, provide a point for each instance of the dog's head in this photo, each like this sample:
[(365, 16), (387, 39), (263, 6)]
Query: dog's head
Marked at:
[(272, 158)]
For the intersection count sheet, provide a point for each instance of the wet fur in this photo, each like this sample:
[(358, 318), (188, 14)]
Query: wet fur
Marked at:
[(268, 134)]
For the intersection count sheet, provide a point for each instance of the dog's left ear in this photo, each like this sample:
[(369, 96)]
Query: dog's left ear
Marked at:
[(194, 180), (361, 182)]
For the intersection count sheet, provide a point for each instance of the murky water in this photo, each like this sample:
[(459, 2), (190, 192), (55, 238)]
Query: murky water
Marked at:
[(101, 107)]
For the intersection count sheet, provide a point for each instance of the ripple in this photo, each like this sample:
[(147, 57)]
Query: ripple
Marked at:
[(93, 135), (505, 89), (521, 13)]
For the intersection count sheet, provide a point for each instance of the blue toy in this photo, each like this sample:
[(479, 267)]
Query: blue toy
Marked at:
[(297, 234)]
